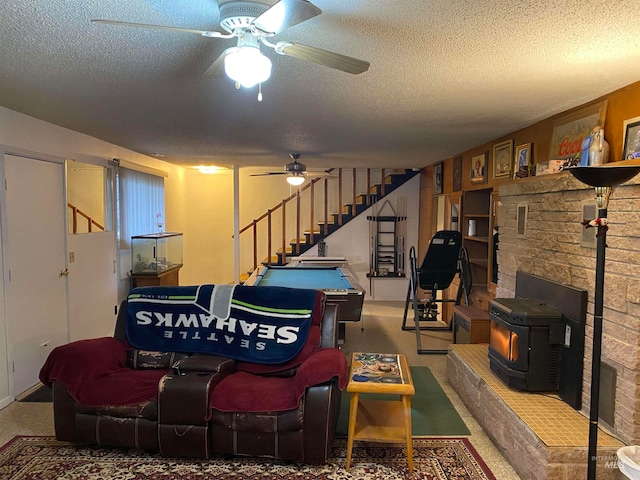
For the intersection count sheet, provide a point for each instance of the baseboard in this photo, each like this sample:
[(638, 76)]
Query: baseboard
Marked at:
[(4, 402), (28, 392)]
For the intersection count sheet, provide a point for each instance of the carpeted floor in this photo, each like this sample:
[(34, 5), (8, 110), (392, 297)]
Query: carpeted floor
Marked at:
[(44, 458), (432, 413)]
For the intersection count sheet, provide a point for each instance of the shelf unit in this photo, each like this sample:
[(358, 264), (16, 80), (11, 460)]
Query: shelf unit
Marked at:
[(478, 208), (387, 230), (388, 246)]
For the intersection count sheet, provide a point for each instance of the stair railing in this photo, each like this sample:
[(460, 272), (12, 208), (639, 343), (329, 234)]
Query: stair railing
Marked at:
[(75, 212), (311, 198)]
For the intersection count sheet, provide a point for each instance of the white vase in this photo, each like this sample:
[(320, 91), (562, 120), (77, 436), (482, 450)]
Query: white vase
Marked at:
[(472, 228), (599, 149)]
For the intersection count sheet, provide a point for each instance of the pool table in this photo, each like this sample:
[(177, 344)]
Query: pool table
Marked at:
[(336, 280)]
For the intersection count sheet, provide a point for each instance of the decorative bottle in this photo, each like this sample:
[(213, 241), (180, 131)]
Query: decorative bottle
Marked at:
[(599, 149)]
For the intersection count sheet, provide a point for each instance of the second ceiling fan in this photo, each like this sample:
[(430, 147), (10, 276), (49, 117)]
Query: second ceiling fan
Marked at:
[(296, 172)]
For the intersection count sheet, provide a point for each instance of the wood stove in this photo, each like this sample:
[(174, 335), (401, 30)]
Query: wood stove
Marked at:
[(525, 343), (537, 338)]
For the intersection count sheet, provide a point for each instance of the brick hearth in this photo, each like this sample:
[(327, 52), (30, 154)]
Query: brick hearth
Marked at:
[(540, 436)]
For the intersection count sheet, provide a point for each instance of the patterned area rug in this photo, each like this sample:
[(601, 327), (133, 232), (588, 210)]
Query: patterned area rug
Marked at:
[(44, 458)]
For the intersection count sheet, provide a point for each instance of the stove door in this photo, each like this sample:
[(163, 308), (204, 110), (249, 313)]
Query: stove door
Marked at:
[(510, 343)]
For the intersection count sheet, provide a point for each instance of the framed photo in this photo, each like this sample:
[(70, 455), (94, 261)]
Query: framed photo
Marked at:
[(522, 158), (502, 155), (437, 178), (570, 129), (479, 168), (631, 139), (457, 174)]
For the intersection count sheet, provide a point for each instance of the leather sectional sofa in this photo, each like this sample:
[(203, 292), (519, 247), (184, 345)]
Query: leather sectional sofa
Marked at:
[(108, 392)]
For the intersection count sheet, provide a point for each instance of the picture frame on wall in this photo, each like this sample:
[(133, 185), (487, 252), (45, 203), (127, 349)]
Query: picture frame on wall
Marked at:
[(631, 138), (502, 157), (437, 178), (479, 168), (569, 130), (522, 160), (457, 174)]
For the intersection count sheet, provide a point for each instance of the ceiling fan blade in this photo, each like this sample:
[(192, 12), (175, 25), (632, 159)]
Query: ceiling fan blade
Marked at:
[(285, 14), (268, 173), (320, 175), (204, 33), (217, 68), (323, 57)]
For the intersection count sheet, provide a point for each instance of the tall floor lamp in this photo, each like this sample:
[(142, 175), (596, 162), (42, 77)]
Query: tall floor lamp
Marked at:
[(603, 178)]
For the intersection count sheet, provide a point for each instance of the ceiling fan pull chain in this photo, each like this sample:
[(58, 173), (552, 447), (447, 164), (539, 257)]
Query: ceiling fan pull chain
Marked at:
[(260, 92)]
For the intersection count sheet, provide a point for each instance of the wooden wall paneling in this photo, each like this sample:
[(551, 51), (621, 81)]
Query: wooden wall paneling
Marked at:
[(623, 105), (425, 223)]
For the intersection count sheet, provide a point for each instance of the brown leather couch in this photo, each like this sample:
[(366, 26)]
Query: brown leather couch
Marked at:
[(183, 419)]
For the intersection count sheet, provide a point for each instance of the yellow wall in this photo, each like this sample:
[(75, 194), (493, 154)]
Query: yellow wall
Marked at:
[(201, 206), (86, 191)]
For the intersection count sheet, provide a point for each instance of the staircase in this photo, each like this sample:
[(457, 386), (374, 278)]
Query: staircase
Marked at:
[(299, 241)]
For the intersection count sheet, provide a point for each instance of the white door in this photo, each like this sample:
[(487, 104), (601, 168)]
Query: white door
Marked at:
[(36, 284), (93, 285)]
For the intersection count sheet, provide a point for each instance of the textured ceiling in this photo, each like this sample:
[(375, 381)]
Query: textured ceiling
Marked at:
[(445, 76)]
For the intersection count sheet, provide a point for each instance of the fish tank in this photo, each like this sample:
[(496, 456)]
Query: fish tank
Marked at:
[(156, 253)]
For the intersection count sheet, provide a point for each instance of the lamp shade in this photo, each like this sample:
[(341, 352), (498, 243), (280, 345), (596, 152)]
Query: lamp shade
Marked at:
[(247, 66), (605, 175), (295, 180)]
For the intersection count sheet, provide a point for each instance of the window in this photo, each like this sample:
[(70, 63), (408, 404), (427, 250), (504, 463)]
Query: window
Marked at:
[(140, 200)]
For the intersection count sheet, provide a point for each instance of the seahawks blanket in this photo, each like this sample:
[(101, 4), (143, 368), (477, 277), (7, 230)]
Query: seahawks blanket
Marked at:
[(253, 324)]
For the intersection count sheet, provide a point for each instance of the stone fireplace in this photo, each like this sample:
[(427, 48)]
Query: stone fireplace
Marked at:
[(553, 247), (541, 437)]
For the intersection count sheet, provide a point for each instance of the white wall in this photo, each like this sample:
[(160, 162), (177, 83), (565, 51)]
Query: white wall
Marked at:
[(23, 134)]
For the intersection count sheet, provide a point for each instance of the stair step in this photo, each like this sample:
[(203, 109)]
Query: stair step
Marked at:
[(290, 250), (336, 218), (331, 226), (274, 259), (294, 241)]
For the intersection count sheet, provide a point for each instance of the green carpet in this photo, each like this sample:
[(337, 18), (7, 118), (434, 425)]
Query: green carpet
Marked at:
[(431, 411)]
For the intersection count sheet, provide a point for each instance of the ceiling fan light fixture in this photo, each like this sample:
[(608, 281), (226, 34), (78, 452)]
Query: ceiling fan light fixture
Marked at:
[(247, 66), (295, 179)]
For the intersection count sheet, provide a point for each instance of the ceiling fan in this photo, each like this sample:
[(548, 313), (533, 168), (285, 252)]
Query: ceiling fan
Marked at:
[(253, 22), (296, 171)]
